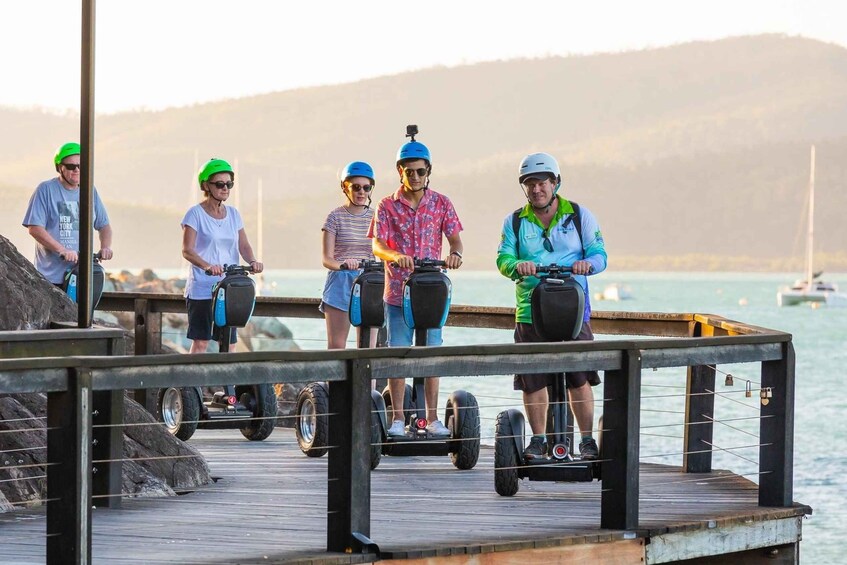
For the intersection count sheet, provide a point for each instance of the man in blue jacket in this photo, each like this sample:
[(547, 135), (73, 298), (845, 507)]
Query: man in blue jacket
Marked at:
[(550, 229)]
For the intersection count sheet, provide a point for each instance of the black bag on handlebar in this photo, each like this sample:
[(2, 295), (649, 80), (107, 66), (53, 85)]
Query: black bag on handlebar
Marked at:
[(233, 300), (426, 299), (366, 306), (557, 309), (71, 280)]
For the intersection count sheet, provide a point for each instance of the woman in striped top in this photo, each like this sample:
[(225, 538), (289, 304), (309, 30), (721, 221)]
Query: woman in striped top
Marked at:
[(345, 243)]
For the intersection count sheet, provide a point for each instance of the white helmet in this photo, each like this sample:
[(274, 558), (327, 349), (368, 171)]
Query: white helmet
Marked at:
[(539, 163)]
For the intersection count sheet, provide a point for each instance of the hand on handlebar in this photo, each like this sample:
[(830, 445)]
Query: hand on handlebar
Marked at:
[(349, 264), (526, 268), (453, 262), (214, 270), (105, 254), (257, 266), (404, 262), (69, 255), (582, 268)]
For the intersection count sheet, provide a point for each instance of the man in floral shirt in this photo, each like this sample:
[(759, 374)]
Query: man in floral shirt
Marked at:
[(406, 225)]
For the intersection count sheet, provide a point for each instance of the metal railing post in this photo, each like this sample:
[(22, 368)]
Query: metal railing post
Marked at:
[(348, 469), (621, 444), (69, 471), (699, 419), (776, 432)]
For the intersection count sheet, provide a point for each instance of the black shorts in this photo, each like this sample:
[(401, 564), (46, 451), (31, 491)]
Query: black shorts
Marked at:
[(535, 382), (201, 321)]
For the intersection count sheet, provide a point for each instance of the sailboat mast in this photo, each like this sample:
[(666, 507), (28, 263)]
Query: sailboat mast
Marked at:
[(810, 236)]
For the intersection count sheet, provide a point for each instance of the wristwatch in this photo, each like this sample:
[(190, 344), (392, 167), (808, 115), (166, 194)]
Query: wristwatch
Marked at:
[(456, 253)]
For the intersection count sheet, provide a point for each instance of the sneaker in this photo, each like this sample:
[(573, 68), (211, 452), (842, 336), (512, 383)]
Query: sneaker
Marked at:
[(437, 429), (536, 449), (397, 429), (588, 449)]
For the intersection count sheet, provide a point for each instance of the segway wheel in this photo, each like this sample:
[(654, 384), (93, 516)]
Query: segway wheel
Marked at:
[(261, 400), (312, 424), (462, 417), (505, 457), (179, 409), (376, 440)]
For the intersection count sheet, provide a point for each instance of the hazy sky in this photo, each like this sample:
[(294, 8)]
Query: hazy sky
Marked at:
[(160, 53)]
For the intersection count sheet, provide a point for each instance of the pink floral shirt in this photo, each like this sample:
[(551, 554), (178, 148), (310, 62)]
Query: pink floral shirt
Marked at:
[(417, 233)]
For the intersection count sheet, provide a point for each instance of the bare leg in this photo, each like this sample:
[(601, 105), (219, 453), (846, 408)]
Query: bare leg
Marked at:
[(199, 346), (535, 404), (397, 388), (337, 327), (431, 393), (582, 404)]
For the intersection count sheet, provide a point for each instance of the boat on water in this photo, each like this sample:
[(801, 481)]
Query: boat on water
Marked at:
[(615, 292), (811, 289)]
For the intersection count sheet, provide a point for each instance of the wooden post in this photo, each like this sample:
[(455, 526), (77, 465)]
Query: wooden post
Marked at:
[(69, 471), (621, 422), (348, 469), (699, 419), (776, 432), (148, 341), (107, 447)]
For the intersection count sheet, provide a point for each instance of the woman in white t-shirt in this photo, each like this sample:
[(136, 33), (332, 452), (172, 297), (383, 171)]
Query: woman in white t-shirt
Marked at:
[(346, 242), (212, 236)]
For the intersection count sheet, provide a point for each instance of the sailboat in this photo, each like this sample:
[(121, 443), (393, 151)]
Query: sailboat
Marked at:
[(811, 289)]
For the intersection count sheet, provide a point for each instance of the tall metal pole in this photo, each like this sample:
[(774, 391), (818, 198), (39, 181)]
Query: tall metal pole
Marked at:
[(85, 296)]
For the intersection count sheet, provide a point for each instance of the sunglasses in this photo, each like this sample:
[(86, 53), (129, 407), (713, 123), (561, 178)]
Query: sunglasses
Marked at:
[(71, 166), (548, 246), (360, 187), (422, 172), (220, 185)]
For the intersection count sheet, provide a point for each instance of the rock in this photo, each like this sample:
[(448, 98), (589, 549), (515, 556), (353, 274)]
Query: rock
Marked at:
[(145, 471), (29, 301)]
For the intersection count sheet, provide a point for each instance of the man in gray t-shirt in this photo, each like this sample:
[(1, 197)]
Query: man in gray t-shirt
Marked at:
[(52, 218)]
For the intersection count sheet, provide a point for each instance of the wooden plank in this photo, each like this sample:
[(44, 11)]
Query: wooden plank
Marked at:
[(273, 499)]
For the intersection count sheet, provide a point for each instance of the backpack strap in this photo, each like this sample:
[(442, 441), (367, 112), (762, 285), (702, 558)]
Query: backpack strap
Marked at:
[(516, 227), (577, 223)]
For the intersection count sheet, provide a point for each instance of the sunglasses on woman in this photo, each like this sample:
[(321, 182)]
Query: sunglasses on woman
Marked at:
[(220, 185), (360, 187)]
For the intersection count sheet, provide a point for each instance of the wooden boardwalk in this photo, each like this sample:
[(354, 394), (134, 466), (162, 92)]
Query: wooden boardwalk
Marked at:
[(268, 505)]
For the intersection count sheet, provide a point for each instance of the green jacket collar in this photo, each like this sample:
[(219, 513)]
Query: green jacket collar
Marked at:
[(563, 210)]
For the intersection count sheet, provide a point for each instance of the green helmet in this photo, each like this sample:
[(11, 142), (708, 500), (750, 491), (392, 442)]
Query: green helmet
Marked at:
[(66, 150), (212, 167)]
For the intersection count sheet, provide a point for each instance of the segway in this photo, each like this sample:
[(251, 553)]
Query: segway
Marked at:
[(426, 302), (250, 408), (71, 280), (366, 312), (558, 305)]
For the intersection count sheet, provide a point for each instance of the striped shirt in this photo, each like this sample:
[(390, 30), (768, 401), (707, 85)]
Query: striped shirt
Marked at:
[(351, 233)]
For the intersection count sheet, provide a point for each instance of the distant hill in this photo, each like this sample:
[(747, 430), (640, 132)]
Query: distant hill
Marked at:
[(699, 149)]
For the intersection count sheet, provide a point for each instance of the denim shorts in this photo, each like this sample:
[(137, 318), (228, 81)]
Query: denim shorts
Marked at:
[(400, 335), (337, 289)]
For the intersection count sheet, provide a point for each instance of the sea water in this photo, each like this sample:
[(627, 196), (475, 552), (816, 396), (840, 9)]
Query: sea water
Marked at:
[(820, 341)]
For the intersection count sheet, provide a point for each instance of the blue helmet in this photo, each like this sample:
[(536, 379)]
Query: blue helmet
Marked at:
[(357, 169), (413, 150)]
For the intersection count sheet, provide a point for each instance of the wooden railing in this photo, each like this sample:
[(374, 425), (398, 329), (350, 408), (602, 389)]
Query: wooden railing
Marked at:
[(84, 393)]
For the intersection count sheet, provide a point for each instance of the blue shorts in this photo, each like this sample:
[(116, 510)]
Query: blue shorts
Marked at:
[(337, 289), (400, 335)]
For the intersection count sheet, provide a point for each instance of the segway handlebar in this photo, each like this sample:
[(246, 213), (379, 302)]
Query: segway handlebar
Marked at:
[(423, 264), (96, 257), (366, 265), (234, 270)]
